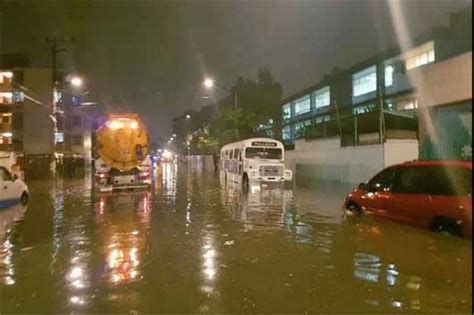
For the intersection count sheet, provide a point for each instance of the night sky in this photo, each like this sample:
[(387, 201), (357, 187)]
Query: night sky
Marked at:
[(151, 56)]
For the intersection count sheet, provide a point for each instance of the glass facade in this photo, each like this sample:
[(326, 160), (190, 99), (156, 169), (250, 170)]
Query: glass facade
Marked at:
[(322, 97), (322, 119), (287, 133), (287, 111), (365, 81), (301, 125), (388, 75), (302, 105)]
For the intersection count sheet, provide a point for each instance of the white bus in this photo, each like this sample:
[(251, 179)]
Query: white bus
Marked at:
[(254, 160)]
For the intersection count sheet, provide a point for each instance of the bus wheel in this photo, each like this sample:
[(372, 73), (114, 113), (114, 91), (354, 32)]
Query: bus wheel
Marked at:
[(245, 183)]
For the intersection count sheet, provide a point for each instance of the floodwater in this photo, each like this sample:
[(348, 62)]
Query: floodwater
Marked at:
[(192, 244)]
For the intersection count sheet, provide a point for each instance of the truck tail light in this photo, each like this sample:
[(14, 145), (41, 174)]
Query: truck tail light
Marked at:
[(102, 175), (143, 174)]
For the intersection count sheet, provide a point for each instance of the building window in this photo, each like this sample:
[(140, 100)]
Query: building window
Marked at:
[(302, 105), (322, 119), (6, 97), (6, 118), (302, 125), (59, 137), (420, 56), (322, 97), (364, 109), (365, 81), (77, 140), (286, 111), (286, 133), (407, 104), (388, 75), (76, 121)]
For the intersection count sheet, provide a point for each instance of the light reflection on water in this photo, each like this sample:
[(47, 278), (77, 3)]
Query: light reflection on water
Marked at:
[(8, 218), (196, 244), (124, 220)]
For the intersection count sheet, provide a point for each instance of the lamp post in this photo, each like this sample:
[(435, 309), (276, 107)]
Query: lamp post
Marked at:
[(74, 82), (210, 83)]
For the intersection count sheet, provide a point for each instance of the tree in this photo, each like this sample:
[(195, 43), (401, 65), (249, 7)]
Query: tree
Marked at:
[(259, 104)]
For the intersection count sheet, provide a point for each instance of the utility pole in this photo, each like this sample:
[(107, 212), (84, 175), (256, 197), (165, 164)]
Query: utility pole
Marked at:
[(55, 50)]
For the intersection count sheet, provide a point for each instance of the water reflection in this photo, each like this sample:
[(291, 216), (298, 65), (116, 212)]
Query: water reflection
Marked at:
[(8, 218), (261, 208), (124, 220), (169, 180), (401, 263)]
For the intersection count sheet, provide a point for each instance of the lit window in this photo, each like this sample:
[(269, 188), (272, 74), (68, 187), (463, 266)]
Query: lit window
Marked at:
[(365, 81), (421, 56), (301, 125), (388, 75), (286, 112), (59, 137), (322, 97), (364, 109), (322, 119), (408, 104), (6, 97), (302, 105)]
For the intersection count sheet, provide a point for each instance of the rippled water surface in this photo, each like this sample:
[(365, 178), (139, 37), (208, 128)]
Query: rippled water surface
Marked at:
[(192, 244)]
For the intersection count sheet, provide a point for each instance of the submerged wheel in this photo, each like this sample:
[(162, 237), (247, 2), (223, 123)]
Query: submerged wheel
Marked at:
[(24, 198), (446, 226), (354, 208), (245, 183)]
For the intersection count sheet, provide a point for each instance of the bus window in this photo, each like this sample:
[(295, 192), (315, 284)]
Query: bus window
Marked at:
[(263, 153)]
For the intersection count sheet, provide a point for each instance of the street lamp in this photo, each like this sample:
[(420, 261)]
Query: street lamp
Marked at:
[(209, 83), (188, 116), (76, 82)]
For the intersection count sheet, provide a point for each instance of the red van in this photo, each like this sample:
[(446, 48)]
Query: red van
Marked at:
[(435, 195)]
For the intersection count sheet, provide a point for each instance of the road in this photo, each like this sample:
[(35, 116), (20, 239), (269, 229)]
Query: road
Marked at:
[(193, 244)]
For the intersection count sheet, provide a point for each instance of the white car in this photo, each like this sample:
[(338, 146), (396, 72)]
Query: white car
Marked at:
[(12, 189)]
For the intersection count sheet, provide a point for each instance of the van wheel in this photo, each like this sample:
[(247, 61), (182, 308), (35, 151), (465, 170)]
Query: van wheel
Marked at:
[(446, 226), (353, 208), (245, 183), (24, 198)]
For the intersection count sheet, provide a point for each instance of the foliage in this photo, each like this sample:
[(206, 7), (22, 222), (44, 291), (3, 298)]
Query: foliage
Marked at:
[(257, 104)]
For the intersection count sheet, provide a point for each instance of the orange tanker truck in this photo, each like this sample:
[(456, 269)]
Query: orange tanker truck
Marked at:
[(122, 151)]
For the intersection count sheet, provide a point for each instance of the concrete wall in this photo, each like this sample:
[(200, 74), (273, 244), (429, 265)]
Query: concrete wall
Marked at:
[(326, 160), (444, 82)]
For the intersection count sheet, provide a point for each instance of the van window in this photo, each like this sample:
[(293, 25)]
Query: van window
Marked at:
[(412, 180), (383, 181), (450, 181), (434, 180)]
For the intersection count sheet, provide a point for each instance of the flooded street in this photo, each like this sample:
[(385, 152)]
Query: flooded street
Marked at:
[(194, 245)]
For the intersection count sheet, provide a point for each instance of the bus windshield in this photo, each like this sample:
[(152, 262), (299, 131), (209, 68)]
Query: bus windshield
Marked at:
[(263, 153)]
